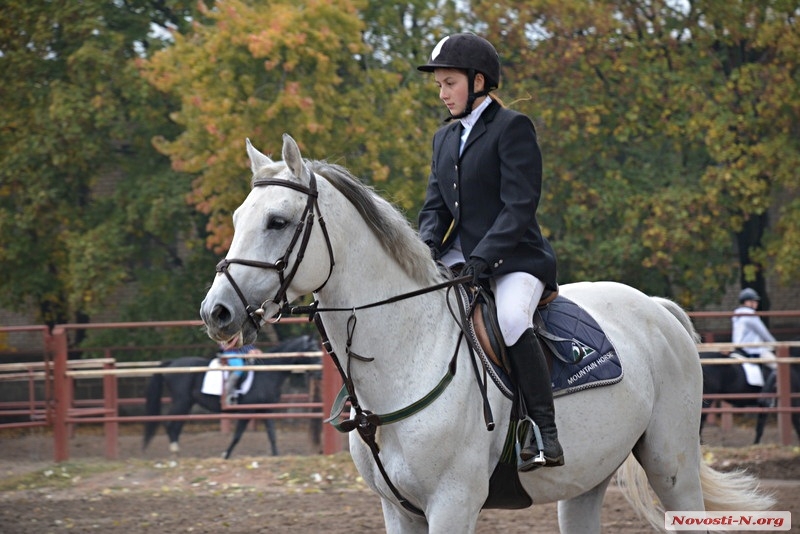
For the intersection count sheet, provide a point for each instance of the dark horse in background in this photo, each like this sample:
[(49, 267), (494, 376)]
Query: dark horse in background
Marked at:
[(731, 379), (770, 386), (185, 391)]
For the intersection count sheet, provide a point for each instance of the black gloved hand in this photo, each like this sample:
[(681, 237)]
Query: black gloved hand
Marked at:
[(475, 267), (434, 249)]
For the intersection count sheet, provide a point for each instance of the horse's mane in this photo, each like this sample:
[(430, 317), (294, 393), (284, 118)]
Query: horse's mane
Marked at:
[(388, 224)]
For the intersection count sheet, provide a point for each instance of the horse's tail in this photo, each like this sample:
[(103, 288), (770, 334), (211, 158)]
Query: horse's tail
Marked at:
[(153, 404), (735, 490), (681, 315)]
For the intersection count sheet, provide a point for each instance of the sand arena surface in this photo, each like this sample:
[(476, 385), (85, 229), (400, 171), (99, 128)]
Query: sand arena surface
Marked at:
[(299, 491)]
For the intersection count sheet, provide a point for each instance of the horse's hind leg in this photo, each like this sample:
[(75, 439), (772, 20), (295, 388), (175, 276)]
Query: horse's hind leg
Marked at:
[(174, 432), (671, 459), (761, 423), (174, 428), (582, 513), (796, 423)]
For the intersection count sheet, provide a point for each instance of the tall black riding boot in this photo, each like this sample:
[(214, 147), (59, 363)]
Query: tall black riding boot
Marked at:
[(529, 365)]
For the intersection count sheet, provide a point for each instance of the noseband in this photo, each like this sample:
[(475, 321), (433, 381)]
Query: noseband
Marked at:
[(302, 234)]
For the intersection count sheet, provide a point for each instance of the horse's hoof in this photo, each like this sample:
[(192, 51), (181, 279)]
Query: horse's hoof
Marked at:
[(174, 448)]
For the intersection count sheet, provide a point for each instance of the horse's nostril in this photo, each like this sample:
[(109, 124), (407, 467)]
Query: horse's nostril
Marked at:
[(221, 315)]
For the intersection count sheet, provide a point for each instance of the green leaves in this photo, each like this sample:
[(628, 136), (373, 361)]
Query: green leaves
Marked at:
[(311, 71), (664, 128), (667, 131), (78, 171)]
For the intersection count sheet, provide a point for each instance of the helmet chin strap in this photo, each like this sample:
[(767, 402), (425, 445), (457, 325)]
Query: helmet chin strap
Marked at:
[(470, 98)]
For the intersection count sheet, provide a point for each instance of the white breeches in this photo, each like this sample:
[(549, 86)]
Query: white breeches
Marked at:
[(516, 296)]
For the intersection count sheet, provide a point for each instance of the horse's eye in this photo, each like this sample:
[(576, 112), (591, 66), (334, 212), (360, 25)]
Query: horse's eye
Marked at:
[(277, 223)]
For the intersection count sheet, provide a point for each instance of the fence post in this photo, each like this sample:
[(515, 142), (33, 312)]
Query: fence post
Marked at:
[(61, 395), (110, 404), (224, 424), (331, 383), (784, 390), (49, 351)]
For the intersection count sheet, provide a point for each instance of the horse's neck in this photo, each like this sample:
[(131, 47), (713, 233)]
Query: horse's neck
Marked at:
[(411, 340)]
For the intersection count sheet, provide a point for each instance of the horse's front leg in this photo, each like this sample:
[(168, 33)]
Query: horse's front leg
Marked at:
[(399, 521), (457, 509), (449, 510), (241, 425), (444, 521)]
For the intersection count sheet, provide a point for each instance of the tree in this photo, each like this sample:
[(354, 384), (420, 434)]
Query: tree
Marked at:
[(338, 75), (665, 127), (86, 203), (629, 98)]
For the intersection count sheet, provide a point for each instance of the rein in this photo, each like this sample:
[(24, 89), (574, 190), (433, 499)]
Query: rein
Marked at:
[(314, 308)]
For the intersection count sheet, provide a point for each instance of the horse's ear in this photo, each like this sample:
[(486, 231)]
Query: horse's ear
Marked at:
[(257, 159), (293, 158)]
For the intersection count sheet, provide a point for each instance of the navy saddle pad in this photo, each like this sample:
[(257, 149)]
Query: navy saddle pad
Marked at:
[(599, 367)]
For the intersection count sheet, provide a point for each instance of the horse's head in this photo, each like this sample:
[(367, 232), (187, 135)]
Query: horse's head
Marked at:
[(279, 252)]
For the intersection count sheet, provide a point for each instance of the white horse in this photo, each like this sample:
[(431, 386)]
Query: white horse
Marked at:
[(440, 458)]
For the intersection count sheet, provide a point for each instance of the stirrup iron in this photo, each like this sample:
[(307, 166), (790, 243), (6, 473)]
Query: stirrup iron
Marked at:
[(528, 433)]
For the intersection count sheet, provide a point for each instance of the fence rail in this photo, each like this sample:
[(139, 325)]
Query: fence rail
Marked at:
[(61, 411)]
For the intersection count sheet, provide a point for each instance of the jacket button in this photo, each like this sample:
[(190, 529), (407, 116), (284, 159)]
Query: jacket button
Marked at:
[(455, 185), (456, 204)]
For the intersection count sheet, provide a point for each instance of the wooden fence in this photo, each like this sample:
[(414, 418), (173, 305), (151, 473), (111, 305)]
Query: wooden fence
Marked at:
[(59, 410)]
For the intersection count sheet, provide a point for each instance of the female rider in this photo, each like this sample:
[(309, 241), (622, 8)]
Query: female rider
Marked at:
[(480, 210)]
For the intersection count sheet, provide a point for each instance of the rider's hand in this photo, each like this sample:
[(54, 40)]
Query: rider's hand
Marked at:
[(475, 267), (434, 249)]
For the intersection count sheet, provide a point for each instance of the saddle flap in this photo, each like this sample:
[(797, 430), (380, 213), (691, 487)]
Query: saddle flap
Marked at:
[(487, 331)]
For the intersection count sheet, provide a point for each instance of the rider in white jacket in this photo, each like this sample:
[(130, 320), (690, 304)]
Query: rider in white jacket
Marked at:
[(749, 328)]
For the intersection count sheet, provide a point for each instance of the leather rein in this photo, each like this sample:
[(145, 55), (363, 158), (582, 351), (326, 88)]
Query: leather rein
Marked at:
[(364, 421)]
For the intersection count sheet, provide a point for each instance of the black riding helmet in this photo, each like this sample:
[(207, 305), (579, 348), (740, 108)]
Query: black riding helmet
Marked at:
[(473, 54)]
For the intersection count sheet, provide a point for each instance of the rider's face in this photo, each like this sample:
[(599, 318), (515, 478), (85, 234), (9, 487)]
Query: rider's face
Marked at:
[(454, 88)]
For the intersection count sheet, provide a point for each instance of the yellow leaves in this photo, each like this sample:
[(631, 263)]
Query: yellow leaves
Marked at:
[(784, 243), (380, 173), (632, 114), (287, 66)]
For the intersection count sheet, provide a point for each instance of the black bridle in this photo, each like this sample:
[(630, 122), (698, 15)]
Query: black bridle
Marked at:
[(302, 234)]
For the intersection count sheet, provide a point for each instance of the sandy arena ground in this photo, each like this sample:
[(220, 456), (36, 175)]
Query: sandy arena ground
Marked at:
[(300, 491)]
